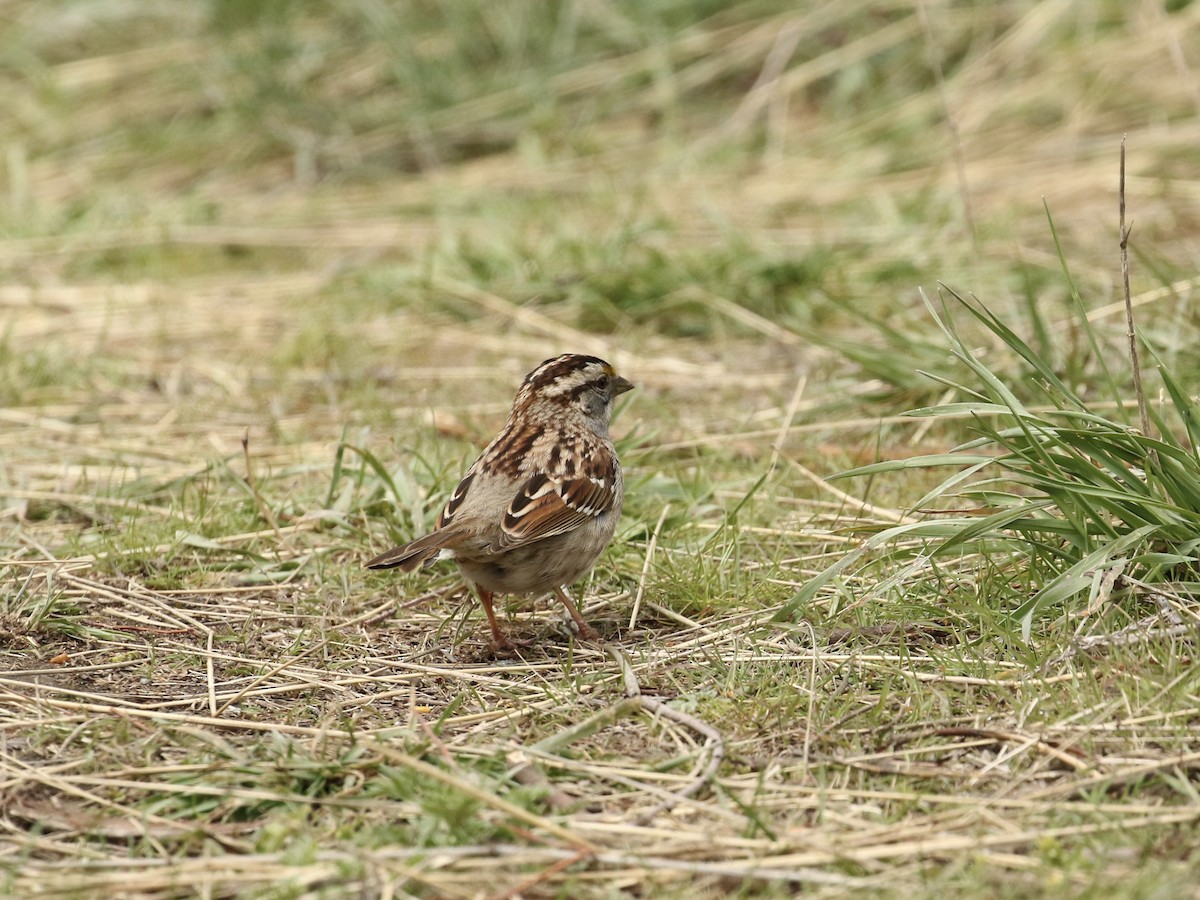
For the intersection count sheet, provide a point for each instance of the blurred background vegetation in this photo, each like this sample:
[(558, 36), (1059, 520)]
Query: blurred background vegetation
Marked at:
[(329, 186), (299, 217), (614, 163)]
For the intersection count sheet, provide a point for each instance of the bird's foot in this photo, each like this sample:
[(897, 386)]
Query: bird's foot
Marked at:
[(503, 645)]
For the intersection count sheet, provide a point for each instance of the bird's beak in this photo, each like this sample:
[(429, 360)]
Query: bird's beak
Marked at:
[(620, 385)]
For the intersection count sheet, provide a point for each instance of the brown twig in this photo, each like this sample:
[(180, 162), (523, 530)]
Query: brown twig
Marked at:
[(523, 887), (264, 508), (1131, 332)]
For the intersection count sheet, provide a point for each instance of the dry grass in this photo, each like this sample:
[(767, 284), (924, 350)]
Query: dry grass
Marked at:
[(256, 318), (161, 710)]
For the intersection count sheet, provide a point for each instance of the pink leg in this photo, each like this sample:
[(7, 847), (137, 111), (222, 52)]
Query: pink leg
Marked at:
[(502, 642), (586, 632)]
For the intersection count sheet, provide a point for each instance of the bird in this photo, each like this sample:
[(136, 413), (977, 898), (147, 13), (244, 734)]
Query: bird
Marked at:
[(534, 512)]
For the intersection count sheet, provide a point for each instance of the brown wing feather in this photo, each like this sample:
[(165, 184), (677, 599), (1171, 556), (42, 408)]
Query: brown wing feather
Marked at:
[(545, 506), (456, 500)]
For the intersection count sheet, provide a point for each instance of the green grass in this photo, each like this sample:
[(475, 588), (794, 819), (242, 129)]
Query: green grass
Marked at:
[(272, 272)]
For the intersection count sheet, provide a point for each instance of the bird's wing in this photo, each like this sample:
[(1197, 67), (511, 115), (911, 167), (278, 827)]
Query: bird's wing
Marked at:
[(546, 506), (455, 502)]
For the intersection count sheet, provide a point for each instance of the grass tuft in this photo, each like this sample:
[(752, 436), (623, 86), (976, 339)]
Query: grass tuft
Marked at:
[(1077, 494)]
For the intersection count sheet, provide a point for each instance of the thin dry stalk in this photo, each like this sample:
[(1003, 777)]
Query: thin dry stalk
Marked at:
[(1130, 331)]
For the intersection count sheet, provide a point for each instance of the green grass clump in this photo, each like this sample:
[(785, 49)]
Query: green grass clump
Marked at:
[(1060, 489)]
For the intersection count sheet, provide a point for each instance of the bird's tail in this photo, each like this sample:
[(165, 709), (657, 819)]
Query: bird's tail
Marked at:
[(424, 551)]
